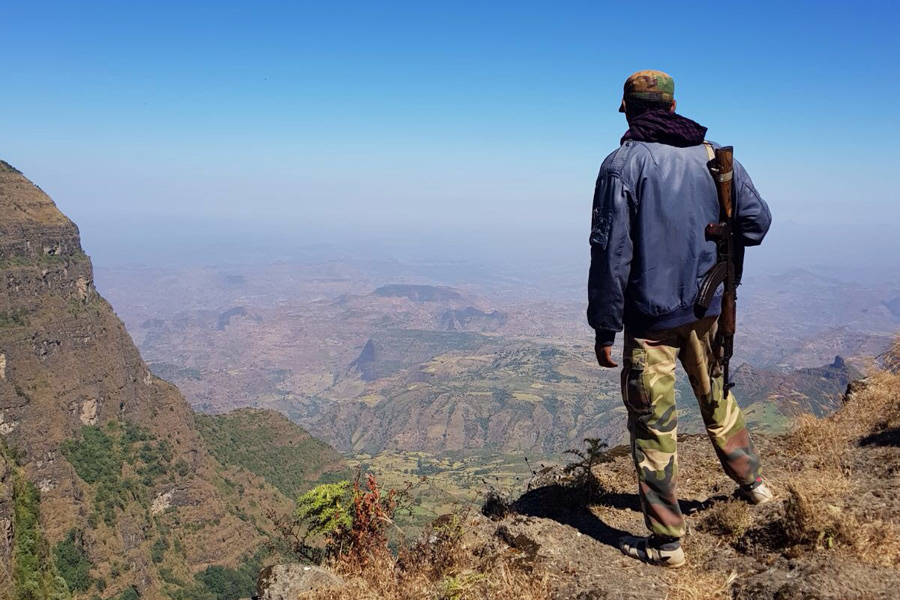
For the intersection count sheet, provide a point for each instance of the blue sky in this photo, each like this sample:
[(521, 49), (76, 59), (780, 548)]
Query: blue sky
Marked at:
[(420, 116)]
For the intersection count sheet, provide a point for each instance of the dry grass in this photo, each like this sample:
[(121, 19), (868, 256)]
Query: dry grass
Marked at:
[(872, 408), (829, 471), (448, 563), (817, 511), (873, 541), (808, 521), (386, 582), (729, 520), (698, 584)]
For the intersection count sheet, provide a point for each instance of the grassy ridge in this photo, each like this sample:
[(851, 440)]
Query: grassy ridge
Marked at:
[(269, 445)]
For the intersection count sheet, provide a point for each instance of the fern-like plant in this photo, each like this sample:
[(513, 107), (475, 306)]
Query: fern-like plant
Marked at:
[(325, 508), (319, 513)]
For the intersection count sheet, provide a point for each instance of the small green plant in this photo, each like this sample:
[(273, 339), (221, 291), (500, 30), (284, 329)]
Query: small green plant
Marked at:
[(325, 508), (582, 469), (13, 318), (158, 549), (456, 586)]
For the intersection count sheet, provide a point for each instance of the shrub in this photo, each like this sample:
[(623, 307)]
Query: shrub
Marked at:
[(496, 506), (13, 318), (158, 550), (94, 457), (72, 563), (371, 515), (181, 467), (130, 593), (325, 508), (348, 524), (440, 551)]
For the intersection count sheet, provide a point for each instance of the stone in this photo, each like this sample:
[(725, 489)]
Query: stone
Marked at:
[(89, 412), (161, 502), (285, 582), (82, 287)]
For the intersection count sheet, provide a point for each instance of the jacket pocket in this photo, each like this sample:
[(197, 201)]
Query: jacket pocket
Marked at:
[(635, 392), (600, 228)]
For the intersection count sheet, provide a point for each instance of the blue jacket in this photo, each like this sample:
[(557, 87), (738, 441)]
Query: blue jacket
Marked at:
[(649, 252)]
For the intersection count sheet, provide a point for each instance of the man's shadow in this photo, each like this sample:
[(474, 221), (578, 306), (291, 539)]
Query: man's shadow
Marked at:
[(888, 437), (570, 507)]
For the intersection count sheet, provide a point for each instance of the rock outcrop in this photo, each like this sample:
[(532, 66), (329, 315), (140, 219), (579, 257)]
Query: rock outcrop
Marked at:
[(286, 582)]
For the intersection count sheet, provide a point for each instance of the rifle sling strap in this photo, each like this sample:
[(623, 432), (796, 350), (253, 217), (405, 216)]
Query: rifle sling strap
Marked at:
[(720, 177)]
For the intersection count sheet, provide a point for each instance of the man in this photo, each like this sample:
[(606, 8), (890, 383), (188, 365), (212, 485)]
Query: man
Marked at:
[(653, 200)]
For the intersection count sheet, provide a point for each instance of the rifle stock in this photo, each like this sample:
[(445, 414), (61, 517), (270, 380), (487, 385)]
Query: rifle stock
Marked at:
[(721, 167)]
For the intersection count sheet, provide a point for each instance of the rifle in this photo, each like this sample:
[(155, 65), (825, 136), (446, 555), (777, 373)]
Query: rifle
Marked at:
[(723, 272)]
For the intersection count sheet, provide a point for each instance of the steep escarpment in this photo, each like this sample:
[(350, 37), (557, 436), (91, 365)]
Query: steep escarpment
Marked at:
[(128, 492)]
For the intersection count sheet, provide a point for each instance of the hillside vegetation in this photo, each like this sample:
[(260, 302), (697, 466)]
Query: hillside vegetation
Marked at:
[(269, 445)]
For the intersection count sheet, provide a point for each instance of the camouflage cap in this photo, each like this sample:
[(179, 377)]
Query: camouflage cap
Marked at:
[(654, 86)]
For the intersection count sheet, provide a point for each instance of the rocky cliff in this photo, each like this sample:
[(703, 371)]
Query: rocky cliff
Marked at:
[(130, 500)]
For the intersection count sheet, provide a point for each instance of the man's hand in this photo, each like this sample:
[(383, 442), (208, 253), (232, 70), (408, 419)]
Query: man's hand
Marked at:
[(604, 357)]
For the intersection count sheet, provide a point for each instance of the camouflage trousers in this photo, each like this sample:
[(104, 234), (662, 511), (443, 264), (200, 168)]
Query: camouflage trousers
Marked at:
[(648, 389)]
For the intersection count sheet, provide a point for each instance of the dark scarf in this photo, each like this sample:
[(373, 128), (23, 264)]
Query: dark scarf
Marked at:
[(666, 128)]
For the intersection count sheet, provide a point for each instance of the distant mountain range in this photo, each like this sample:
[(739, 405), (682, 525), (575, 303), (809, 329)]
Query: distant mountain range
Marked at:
[(415, 367)]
